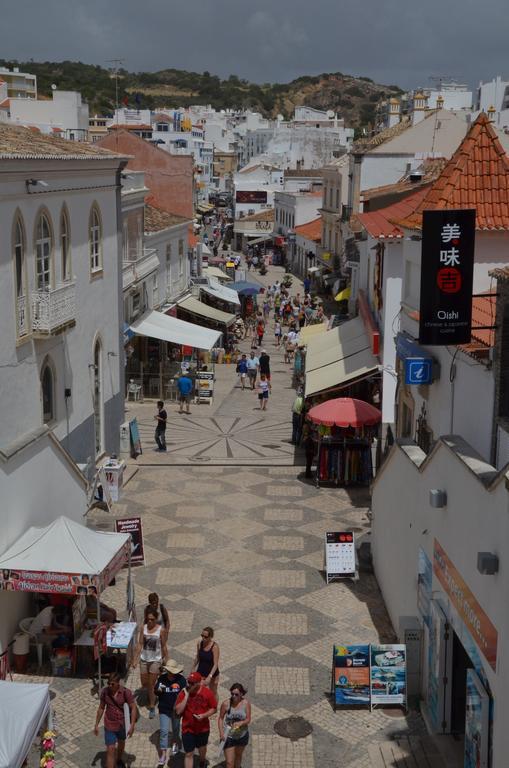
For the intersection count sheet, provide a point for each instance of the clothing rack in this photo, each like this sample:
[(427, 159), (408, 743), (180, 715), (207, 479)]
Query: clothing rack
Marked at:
[(344, 461)]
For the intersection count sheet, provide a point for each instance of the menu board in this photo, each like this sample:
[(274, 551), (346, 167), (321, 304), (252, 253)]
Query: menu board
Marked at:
[(339, 554), (388, 674), (133, 526), (204, 385), (351, 675)]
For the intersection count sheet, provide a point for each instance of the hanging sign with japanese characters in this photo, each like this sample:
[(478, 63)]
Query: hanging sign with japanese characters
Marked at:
[(447, 268)]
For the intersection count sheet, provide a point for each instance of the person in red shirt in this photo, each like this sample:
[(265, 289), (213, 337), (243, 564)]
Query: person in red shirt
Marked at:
[(195, 704)]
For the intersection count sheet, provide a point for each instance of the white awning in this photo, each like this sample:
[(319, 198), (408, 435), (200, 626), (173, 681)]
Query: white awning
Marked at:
[(23, 709), (205, 250), (312, 270), (216, 272), (190, 304), (157, 325), (221, 292), (338, 357)]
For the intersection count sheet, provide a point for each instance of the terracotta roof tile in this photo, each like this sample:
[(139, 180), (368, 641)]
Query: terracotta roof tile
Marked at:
[(381, 223), (156, 219), (17, 142), (478, 168), (311, 231)]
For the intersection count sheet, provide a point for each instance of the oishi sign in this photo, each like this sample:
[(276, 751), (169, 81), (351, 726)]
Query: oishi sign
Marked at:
[(447, 267)]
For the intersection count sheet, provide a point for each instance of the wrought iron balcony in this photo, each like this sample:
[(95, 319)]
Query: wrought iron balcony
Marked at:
[(22, 325), (53, 309)]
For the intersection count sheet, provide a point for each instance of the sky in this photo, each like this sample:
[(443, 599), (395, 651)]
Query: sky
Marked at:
[(401, 42)]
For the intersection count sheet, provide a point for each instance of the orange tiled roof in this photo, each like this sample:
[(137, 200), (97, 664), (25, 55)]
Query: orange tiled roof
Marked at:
[(476, 176), (193, 240), (311, 231), (381, 223), (156, 219), (484, 311)]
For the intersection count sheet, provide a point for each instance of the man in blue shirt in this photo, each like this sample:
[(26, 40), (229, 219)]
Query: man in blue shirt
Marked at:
[(185, 388), (242, 370)]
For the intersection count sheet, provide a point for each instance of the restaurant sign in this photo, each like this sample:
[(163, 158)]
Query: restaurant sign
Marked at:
[(447, 269), (475, 619)]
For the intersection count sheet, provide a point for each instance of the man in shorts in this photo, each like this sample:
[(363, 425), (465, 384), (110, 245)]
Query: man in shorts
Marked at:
[(185, 388), (242, 370), (112, 701), (252, 368), (196, 704)]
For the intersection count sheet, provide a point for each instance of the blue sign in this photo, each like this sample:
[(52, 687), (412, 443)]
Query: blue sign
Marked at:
[(417, 362), (418, 370)]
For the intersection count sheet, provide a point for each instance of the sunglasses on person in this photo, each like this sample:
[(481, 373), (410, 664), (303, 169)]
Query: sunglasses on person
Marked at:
[(206, 637), (235, 693)]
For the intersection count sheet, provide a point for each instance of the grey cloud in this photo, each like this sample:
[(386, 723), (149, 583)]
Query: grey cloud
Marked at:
[(268, 40)]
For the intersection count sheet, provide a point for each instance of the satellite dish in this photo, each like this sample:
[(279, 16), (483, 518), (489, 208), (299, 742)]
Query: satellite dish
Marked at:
[(53, 87)]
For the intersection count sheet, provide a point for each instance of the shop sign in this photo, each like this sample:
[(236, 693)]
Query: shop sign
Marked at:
[(256, 196), (350, 675), (388, 674), (133, 526), (475, 619), (134, 432), (447, 269), (204, 385)]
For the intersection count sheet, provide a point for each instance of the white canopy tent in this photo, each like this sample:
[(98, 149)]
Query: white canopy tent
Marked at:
[(221, 292), (23, 709), (157, 325), (66, 558), (216, 272)]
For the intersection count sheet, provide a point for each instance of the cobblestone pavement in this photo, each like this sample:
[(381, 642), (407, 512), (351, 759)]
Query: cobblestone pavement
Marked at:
[(240, 548)]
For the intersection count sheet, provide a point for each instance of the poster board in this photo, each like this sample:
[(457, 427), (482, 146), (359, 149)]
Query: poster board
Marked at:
[(351, 675), (79, 615), (477, 729), (339, 555), (136, 449), (388, 674), (133, 526), (204, 386)]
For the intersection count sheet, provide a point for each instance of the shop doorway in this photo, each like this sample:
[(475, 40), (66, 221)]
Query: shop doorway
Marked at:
[(460, 664)]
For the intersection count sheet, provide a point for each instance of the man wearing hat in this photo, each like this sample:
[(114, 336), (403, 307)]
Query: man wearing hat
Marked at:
[(169, 684), (196, 704)]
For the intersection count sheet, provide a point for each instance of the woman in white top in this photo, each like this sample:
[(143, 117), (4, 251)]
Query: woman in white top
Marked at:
[(263, 388), (152, 654)]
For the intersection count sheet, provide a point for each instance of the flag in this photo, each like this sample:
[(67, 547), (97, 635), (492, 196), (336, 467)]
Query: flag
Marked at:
[(125, 101), (137, 99)]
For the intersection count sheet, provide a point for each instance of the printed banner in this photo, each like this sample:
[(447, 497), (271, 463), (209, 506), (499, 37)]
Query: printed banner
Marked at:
[(339, 553), (351, 674), (49, 582), (204, 384), (133, 526), (388, 674)]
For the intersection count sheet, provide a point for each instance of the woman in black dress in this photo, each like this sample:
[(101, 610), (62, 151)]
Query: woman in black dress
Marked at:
[(207, 659)]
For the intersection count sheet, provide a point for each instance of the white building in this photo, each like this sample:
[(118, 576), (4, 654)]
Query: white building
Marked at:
[(61, 358), (439, 543), (66, 114), (60, 347), (20, 85)]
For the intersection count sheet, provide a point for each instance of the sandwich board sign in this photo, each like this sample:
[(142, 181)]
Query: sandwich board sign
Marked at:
[(339, 555)]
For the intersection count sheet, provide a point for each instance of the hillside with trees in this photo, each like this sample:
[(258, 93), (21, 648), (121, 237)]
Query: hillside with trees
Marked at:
[(354, 98)]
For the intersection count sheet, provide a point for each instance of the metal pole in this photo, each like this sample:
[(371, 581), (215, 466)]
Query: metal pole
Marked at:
[(99, 648)]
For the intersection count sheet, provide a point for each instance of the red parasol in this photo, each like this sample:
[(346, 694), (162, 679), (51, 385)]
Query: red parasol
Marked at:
[(345, 412)]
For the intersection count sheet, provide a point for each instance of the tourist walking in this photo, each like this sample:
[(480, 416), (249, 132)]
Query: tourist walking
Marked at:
[(297, 407), (161, 417), (185, 388), (151, 652), (234, 719), (196, 704), (167, 688), (263, 388), (264, 361), (242, 371), (206, 661), (111, 704), (252, 368), (260, 330), (278, 332), (158, 607)]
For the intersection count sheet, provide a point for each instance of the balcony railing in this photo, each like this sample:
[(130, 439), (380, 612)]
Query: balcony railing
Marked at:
[(53, 308), (134, 270)]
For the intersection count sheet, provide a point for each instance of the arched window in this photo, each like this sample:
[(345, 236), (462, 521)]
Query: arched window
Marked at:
[(48, 393), (95, 240), (18, 247), (65, 245), (43, 249)]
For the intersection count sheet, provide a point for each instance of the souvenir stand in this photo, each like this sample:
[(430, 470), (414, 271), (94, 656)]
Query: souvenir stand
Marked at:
[(66, 558), (343, 430)]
